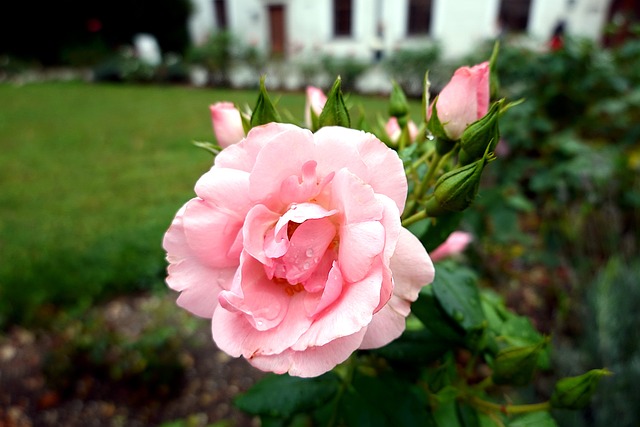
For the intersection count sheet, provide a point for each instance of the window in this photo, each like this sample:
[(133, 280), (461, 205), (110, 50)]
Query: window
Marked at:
[(514, 15), (220, 8), (342, 11), (419, 17)]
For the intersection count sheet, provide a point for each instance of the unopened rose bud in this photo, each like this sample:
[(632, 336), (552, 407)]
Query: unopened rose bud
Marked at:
[(227, 123), (576, 392), (315, 101), (481, 136), (457, 189), (516, 365), (398, 105), (335, 111), (265, 112), (462, 101)]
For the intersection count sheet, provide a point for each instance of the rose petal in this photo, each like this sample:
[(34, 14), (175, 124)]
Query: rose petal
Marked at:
[(313, 361)]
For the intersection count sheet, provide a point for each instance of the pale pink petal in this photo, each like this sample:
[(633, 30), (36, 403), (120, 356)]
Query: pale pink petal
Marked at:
[(347, 315), (234, 334), (264, 302), (337, 148), (386, 325), (199, 285), (354, 199), (217, 184), (306, 247), (411, 266), (482, 74), (242, 156), (174, 240), (360, 244), (260, 220), (296, 146), (386, 172), (211, 233), (313, 361), (332, 290)]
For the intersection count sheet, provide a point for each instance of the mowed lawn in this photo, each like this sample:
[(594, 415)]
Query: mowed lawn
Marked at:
[(90, 178)]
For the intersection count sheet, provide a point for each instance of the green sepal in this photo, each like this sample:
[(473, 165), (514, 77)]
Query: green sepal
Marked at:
[(425, 96), (435, 126), (576, 392), (494, 81), (208, 146), (398, 105), (335, 111), (264, 112), (481, 136)]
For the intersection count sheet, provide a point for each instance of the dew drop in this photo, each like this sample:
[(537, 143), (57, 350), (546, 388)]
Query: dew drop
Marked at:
[(294, 206), (309, 253), (306, 266), (430, 136), (315, 260), (259, 323)]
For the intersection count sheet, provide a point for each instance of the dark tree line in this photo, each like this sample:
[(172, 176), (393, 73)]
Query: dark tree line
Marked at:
[(52, 32)]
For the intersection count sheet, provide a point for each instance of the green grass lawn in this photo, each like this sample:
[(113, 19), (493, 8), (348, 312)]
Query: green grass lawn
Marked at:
[(90, 178)]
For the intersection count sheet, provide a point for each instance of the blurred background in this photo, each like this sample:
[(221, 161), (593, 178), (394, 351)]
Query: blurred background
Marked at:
[(99, 104)]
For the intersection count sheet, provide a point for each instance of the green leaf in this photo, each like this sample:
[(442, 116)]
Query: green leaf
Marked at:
[(445, 412), (384, 400), (456, 290), (283, 395), (264, 112), (534, 419), (439, 229), (433, 317), (468, 415), (576, 392), (335, 112), (421, 346)]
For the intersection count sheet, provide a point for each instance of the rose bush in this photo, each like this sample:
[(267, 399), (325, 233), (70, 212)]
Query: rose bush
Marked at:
[(463, 100), (294, 247), (227, 123)]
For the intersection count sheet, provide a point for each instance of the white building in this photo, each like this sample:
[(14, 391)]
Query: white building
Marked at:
[(360, 28)]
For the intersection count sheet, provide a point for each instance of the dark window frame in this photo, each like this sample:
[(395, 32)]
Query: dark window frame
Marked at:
[(343, 18), (419, 17)]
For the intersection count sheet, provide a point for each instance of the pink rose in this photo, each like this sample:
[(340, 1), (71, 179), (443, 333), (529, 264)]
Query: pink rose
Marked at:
[(314, 102), (294, 247), (455, 244), (227, 123), (393, 130), (463, 100)]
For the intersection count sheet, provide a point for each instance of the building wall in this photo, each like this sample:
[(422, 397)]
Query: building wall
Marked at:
[(457, 25)]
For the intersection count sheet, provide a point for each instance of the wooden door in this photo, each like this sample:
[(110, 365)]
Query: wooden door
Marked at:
[(277, 29)]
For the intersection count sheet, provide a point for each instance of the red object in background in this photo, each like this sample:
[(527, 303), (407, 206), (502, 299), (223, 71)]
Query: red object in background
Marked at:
[(94, 25), (556, 43)]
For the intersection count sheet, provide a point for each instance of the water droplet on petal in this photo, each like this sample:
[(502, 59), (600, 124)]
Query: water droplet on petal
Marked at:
[(315, 260), (306, 266), (259, 323), (309, 253), (294, 206)]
